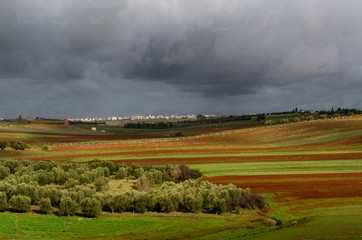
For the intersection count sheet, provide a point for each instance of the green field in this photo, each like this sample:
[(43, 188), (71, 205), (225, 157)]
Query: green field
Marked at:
[(125, 226), (280, 168)]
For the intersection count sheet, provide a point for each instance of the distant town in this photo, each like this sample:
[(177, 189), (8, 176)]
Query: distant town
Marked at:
[(135, 118), (127, 118)]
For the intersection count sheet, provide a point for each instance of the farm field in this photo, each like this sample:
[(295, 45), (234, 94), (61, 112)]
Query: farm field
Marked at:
[(310, 172), (126, 226)]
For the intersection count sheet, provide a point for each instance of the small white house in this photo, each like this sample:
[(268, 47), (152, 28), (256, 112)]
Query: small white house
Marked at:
[(93, 128)]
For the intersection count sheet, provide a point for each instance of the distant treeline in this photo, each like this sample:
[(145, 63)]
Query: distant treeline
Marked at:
[(188, 123), (343, 111), (85, 123), (69, 189)]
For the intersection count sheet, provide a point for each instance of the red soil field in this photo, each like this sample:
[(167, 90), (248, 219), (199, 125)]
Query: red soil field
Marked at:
[(300, 186), (66, 138)]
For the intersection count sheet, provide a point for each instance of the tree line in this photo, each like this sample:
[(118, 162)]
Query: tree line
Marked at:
[(187, 123), (17, 145), (69, 189)]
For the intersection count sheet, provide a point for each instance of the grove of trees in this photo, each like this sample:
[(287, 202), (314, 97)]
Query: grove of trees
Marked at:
[(69, 189)]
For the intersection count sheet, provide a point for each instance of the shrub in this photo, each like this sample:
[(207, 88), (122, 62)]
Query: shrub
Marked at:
[(175, 134), (296, 119), (269, 122), (3, 145), (3, 202), (253, 201), (310, 118), (182, 173), (20, 203), (121, 173), (168, 201), (143, 184), (45, 205), (193, 203), (154, 176), (42, 177), (71, 183), (53, 193), (141, 203), (121, 202), (67, 206), (28, 190), (17, 145), (44, 147), (4, 172), (91, 207), (284, 120), (337, 115), (100, 183)]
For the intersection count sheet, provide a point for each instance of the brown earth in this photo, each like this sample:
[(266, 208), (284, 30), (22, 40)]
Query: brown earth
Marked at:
[(300, 186)]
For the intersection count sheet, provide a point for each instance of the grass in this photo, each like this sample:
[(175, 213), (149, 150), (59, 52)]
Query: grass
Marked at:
[(124, 226), (280, 168), (342, 222)]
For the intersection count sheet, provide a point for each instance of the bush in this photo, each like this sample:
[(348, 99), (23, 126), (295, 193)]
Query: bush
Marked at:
[(310, 118), (121, 202), (143, 184), (182, 173), (175, 134), (3, 202), (296, 119), (337, 115), (67, 207), (44, 147), (269, 122), (17, 145), (28, 190), (71, 183), (121, 173), (4, 172), (3, 145), (20, 203), (193, 203), (253, 201), (45, 205), (100, 183), (91, 207), (284, 120)]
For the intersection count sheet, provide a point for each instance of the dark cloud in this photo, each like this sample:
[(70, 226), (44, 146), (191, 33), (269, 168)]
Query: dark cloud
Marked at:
[(90, 57)]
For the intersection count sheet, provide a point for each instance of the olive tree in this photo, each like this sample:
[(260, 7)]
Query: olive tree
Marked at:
[(3, 202), (3, 145), (91, 207), (67, 206), (45, 205), (20, 203)]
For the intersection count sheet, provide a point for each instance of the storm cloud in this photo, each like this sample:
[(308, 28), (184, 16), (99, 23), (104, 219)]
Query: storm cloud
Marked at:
[(77, 58)]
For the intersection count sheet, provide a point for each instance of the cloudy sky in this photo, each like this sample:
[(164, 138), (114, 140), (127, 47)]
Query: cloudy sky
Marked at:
[(74, 58)]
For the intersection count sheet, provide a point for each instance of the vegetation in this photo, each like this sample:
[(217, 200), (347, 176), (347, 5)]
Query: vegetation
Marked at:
[(3, 145), (75, 188)]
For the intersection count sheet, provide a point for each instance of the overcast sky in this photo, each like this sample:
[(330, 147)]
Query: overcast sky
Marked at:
[(75, 58)]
